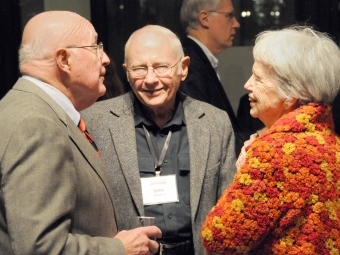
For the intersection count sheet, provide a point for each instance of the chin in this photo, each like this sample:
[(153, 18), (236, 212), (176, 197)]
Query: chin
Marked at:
[(154, 101), (102, 90), (153, 104), (254, 114)]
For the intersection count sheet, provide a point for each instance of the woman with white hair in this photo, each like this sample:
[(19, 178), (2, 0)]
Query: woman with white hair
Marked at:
[(285, 197)]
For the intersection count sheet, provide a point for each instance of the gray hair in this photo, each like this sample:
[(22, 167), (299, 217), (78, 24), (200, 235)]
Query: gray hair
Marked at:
[(190, 9), (36, 50), (305, 63)]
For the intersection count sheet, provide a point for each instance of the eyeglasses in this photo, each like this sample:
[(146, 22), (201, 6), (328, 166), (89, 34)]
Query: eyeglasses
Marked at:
[(99, 48), (160, 71), (228, 15)]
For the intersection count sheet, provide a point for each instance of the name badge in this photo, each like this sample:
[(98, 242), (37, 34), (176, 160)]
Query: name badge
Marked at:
[(159, 190)]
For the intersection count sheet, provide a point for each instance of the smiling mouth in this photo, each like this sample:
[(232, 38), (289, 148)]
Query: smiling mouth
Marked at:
[(252, 101), (152, 92)]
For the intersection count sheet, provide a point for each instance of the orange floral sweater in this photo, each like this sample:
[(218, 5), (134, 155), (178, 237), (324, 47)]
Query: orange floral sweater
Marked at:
[(286, 197)]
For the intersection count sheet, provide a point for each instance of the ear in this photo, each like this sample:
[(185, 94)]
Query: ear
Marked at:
[(290, 104), (126, 71), (185, 67), (203, 17), (63, 60)]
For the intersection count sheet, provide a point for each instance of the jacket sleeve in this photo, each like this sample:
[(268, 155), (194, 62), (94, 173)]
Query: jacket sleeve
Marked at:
[(247, 209)]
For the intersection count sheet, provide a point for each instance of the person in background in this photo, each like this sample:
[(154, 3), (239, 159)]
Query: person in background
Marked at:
[(158, 145), (285, 197), (211, 27), (54, 194)]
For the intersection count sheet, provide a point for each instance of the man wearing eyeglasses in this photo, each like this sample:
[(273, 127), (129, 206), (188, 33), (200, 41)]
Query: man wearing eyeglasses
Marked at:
[(211, 27), (168, 156), (54, 195)]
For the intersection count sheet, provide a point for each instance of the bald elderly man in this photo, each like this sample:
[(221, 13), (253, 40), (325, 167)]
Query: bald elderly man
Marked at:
[(54, 194)]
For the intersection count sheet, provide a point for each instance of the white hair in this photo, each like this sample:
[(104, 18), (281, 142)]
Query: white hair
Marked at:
[(305, 63)]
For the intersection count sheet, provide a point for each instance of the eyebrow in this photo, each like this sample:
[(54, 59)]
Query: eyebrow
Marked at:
[(152, 64)]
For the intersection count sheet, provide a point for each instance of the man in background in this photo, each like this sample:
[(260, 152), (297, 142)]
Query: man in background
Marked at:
[(211, 27), (168, 156), (54, 194)]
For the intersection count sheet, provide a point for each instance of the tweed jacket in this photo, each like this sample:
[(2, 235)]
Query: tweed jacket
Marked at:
[(54, 195), (211, 151)]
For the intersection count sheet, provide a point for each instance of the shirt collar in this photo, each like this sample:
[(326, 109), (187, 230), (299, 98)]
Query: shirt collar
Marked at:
[(212, 59), (63, 101), (177, 119)]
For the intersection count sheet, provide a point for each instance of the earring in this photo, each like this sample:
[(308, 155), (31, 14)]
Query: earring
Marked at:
[(285, 105)]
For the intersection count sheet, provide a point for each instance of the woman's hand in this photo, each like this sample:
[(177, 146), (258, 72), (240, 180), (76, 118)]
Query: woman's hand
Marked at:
[(242, 157)]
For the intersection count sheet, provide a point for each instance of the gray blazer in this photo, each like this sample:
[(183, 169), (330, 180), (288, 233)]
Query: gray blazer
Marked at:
[(54, 195), (211, 148)]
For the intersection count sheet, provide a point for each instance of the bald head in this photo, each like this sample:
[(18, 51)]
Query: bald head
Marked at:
[(151, 35), (59, 48), (47, 31)]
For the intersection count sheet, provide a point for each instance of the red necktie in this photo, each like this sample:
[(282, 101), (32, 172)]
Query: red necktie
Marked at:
[(82, 128)]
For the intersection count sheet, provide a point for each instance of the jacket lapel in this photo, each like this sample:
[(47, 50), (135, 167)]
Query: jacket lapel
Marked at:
[(85, 147), (122, 122), (75, 134), (199, 143), (189, 43)]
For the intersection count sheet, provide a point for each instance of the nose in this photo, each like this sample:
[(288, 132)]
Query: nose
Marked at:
[(105, 59), (248, 83), (150, 75), (236, 24)]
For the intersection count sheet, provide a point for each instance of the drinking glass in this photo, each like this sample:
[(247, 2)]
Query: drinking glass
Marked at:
[(141, 221)]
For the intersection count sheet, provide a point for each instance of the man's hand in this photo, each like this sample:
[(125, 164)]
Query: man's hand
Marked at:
[(137, 241)]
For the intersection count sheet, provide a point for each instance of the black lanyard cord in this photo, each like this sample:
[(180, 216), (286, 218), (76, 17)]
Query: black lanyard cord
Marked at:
[(157, 163)]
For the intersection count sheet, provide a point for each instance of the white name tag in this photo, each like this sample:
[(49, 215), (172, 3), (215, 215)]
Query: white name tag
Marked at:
[(159, 190)]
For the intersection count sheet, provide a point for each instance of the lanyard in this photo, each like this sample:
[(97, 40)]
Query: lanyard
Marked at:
[(158, 163)]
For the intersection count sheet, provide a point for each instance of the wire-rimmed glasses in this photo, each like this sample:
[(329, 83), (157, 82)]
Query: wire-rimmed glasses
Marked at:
[(160, 71), (99, 48), (228, 15)]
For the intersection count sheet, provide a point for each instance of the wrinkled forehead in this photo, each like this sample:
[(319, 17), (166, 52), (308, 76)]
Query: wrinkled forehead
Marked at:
[(87, 32), (150, 46), (80, 31)]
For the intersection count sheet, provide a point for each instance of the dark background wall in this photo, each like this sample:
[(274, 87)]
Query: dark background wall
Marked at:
[(10, 31), (115, 20)]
